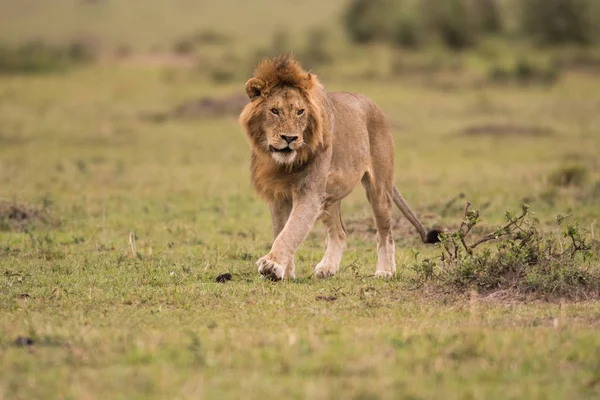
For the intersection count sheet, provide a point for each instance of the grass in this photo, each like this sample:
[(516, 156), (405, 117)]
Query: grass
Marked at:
[(116, 318), (107, 324)]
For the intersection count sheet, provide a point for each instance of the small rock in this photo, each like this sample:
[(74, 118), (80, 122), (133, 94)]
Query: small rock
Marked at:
[(224, 277), (23, 341), (326, 298)]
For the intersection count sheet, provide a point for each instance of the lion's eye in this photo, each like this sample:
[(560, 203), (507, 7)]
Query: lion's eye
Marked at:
[(300, 112), (275, 111)]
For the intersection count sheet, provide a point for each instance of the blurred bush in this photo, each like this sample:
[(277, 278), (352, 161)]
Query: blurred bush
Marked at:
[(189, 44), (406, 33), (184, 46), (410, 23), (525, 71), (494, 28), (209, 36), (570, 175), (371, 20), (226, 69), (452, 21), (459, 24), (316, 51), (39, 57), (554, 22)]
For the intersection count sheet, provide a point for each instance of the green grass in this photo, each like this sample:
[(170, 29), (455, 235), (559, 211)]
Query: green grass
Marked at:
[(109, 325)]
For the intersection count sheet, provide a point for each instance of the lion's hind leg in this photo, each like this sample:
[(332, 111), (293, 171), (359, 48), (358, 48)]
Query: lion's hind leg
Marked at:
[(379, 193), (336, 242)]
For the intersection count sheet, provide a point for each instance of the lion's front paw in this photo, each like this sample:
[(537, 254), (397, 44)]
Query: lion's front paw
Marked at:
[(384, 274), (270, 269), (325, 271)]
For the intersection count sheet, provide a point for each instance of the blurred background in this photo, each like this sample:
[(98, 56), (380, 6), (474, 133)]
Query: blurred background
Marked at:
[(504, 41), (125, 191), (113, 108)]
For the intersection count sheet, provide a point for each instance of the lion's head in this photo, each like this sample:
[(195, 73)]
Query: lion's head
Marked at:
[(287, 116)]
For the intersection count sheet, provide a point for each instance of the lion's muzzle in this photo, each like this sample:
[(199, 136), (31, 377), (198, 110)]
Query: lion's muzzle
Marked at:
[(286, 149)]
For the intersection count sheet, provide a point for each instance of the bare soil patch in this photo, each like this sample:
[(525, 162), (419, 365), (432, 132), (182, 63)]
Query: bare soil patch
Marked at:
[(583, 63), (18, 216), (206, 107), (365, 227)]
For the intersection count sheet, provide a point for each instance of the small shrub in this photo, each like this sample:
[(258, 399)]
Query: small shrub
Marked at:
[(499, 73), (38, 57), (21, 217), (226, 70), (407, 33), (82, 50), (189, 43), (211, 37), (184, 46), (222, 75), (524, 71), (556, 22), (522, 258), (569, 175), (33, 57)]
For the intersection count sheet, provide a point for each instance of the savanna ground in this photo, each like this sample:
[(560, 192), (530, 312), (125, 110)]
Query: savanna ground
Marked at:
[(119, 315)]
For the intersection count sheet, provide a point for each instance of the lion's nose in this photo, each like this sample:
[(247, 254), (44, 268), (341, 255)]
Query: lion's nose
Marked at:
[(289, 139)]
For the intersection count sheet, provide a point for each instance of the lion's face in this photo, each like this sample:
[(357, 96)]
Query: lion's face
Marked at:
[(286, 117), (285, 120)]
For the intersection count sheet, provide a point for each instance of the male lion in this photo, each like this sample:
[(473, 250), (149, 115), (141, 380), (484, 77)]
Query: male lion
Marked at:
[(310, 148)]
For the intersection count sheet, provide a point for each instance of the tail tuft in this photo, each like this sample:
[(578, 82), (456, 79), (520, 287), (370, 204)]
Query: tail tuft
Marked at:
[(433, 236)]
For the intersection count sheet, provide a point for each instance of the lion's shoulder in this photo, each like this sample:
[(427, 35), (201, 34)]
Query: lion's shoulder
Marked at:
[(351, 99), (342, 103)]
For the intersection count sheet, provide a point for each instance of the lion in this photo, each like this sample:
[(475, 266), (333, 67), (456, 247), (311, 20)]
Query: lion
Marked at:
[(310, 148)]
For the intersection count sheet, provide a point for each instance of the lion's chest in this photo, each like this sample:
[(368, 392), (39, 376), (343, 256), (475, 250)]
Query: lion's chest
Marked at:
[(277, 185)]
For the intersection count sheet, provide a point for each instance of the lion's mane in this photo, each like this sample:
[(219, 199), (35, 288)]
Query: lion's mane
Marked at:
[(272, 180)]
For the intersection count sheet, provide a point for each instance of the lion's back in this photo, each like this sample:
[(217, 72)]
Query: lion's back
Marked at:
[(360, 132), (356, 110), (358, 119)]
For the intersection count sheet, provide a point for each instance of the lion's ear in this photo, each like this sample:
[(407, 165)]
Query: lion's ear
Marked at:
[(254, 87), (308, 82)]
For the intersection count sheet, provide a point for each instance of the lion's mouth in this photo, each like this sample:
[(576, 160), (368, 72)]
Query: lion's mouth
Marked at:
[(284, 150)]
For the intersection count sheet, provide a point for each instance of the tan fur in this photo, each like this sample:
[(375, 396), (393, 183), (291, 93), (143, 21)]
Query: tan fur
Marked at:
[(270, 179), (310, 148)]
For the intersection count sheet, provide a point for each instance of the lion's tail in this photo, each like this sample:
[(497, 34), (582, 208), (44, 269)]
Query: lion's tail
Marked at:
[(426, 237)]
